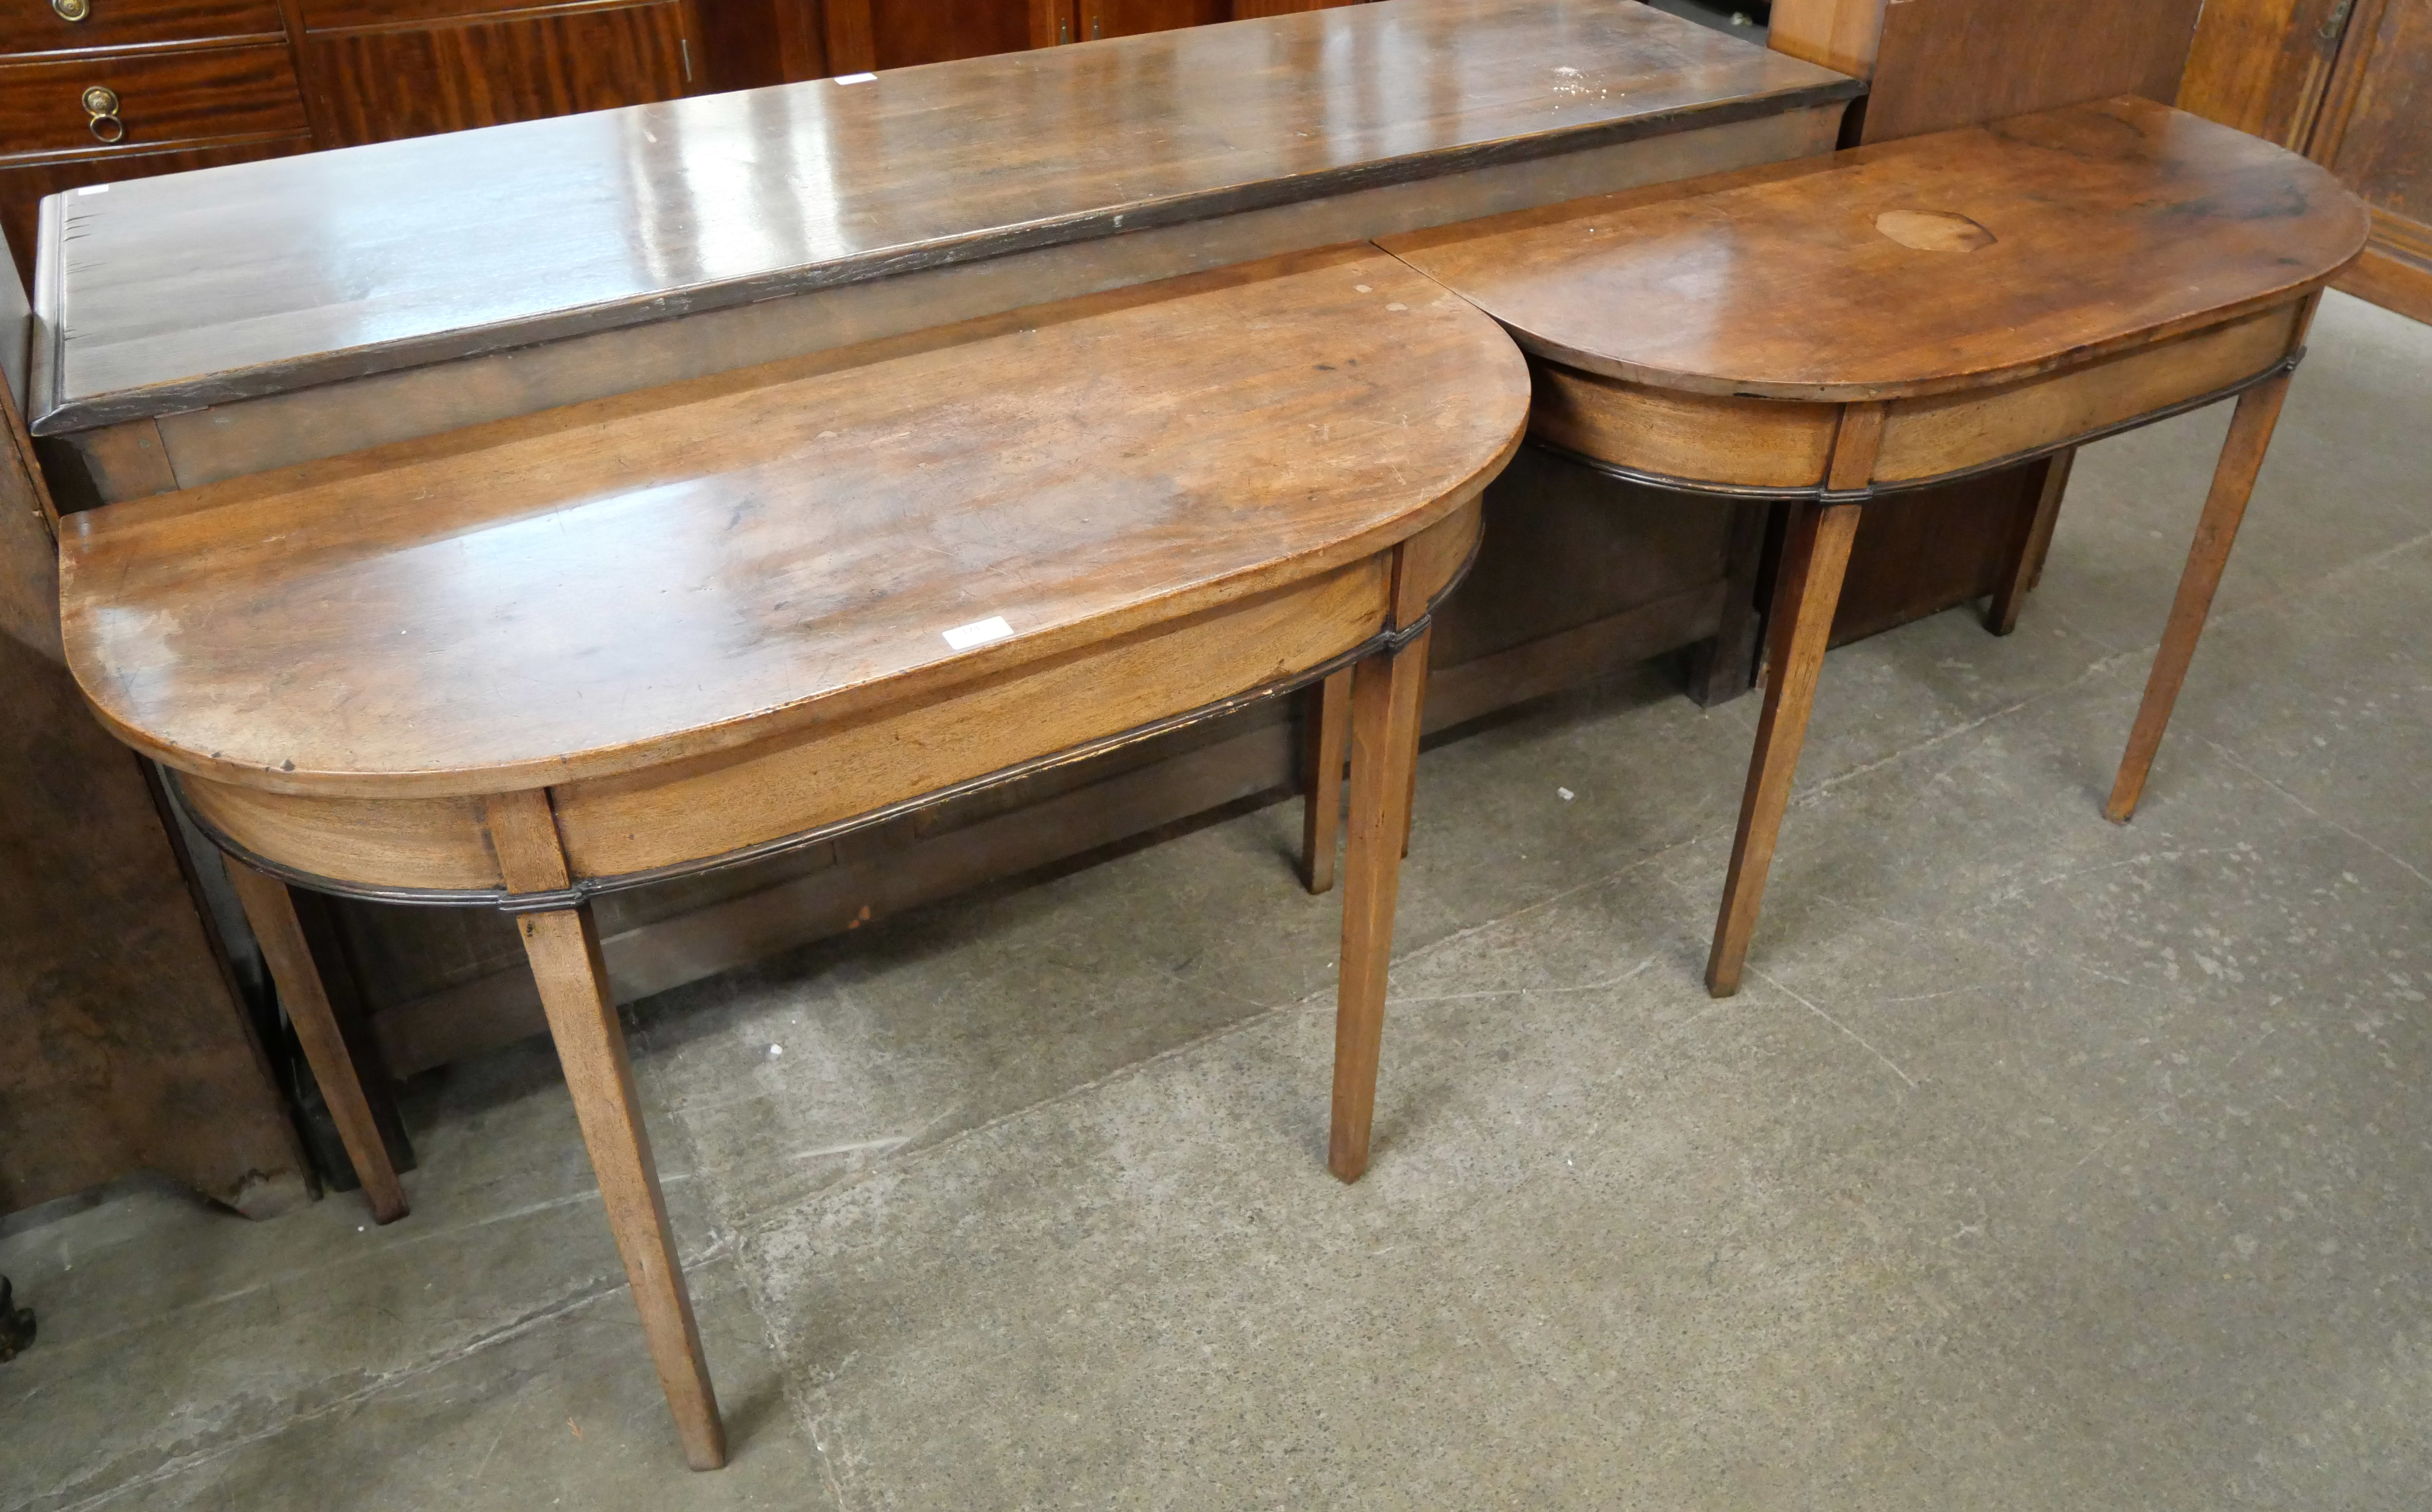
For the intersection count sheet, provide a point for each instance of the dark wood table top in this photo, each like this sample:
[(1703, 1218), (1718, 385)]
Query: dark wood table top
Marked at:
[(204, 288), (1935, 263), (613, 585)]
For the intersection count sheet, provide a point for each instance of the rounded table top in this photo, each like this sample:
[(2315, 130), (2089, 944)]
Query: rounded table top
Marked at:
[(1941, 262), (598, 589)]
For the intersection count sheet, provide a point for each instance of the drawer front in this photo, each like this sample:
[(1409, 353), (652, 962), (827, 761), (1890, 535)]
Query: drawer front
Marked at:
[(79, 25), (161, 99)]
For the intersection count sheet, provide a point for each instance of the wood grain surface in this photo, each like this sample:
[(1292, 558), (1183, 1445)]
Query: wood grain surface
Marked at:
[(380, 83), (1945, 63), (2261, 65), (34, 27), (2112, 225), (193, 290), (610, 587), (164, 100)]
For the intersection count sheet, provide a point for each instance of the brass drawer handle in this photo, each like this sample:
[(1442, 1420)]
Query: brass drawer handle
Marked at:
[(101, 114), (72, 10)]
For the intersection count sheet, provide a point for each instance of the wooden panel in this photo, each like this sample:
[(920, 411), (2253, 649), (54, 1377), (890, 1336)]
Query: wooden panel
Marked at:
[(1566, 547), (1126, 18), (415, 15), (2392, 281), (333, 268), (377, 86), (2262, 65), (1922, 552), (904, 32), (1698, 437), (1928, 438), (162, 98), (2376, 134), (36, 27), (23, 185), (1945, 63), (745, 44), (659, 818), (1251, 10), (392, 842), (1841, 35)]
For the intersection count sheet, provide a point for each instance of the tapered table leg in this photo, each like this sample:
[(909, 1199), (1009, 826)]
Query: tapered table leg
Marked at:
[(2024, 561), (272, 914), (1321, 818), (1384, 749), (2233, 484), (1814, 555), (564, 948)]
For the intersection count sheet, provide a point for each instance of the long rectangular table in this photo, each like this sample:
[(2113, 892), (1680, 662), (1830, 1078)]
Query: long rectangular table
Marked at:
[(201, 326)]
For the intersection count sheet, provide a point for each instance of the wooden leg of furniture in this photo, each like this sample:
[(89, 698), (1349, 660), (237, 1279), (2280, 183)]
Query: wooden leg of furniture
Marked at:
[(272, 914), (1722, 668), (1410, 789), (564, 948), (1384, 748), (2025, 560), (1321, 817), (1815, 554), (2233, 483)]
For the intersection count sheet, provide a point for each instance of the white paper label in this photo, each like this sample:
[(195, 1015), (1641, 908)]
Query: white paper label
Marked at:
[(854, 78), (978, 632)]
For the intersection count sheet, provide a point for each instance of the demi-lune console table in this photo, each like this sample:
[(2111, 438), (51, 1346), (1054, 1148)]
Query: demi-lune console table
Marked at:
[(523, 665), (1829, 332)]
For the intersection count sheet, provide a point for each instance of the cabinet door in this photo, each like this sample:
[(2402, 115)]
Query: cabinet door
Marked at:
[(2261, 65), (864, 35), (1125, 18), (376, 84), (2376, 134)]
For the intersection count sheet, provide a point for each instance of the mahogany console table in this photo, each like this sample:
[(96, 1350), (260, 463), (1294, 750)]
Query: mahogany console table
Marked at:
[(196, 328), (1827, 332), (549, 658)]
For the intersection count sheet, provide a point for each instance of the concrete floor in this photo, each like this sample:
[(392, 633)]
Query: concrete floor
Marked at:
[(2042, 1163)]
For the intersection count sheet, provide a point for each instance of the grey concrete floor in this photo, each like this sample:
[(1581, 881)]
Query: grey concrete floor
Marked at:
[(2042, 1163)]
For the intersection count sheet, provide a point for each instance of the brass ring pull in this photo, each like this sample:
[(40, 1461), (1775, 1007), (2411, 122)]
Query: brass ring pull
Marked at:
[(101, 114), (72, 10)]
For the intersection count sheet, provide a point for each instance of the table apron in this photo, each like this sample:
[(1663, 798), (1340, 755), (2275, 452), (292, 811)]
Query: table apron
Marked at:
[(1778, 448)]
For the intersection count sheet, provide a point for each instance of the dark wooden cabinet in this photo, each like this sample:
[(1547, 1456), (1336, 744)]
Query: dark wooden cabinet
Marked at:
[(2348, 83), (377, 82), (862, 35)]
